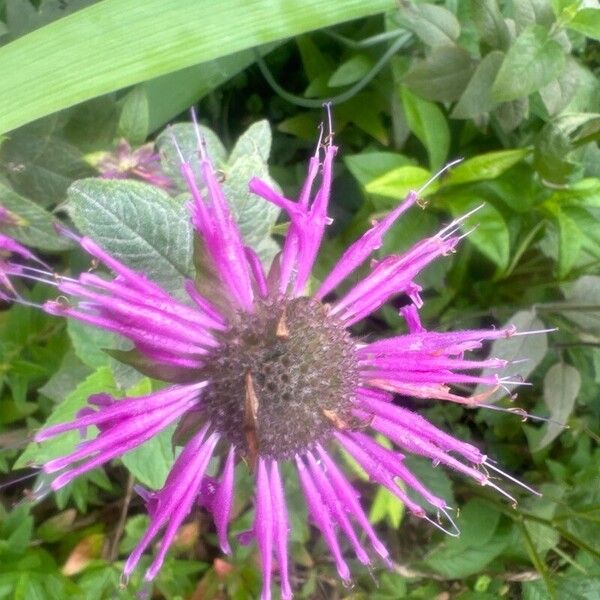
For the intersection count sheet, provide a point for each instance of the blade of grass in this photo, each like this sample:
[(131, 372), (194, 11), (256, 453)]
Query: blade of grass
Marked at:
[(117, 43)]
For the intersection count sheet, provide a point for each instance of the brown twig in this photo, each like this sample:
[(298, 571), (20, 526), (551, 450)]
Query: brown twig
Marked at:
[(113, 551)]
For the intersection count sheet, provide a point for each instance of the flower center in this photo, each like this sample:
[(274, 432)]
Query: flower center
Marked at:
[(282, 379)]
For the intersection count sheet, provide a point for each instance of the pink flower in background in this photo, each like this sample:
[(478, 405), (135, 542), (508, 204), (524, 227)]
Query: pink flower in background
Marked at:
[(9, 218), (261, 371), (126, 163)]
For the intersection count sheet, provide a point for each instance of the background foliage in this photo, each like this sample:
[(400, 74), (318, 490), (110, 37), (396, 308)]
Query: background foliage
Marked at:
[(511, 86)]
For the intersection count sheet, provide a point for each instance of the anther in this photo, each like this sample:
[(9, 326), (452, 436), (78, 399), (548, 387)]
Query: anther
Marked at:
[(251, 420), (282, 330)]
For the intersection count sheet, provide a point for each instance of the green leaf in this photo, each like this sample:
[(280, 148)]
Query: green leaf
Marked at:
[(556, 145), (569, 242), (183, 138), (151, 462), (254, 215), (135, 117), (398, 182), (36, 228), (481, 540), (386, 506), (477, 98), (88, 343), (99, 381), (367, 166), (485, 166), (586, 21), (489, 231), (532, 62), (558, 93), (428, 123), (139, 225), (531, 347), (530, 12), (490, 23), (40, 164), (435, 25), (442, 76), (117, 43), (579, 587), (351, 71), (561, 386), (585, 291)]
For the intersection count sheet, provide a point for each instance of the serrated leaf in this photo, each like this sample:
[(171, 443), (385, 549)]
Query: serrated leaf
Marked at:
[(39, 164), (442, 76), (429, 125), (36, 228), (254, 215), (531, 62), (99, 381), (137, 224), (182, 137), (256, 141), (134, 121), (530, 347), (477, 98), (561, 386), (88, 343)]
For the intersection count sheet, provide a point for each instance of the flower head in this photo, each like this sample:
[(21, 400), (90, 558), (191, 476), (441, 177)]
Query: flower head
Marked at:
[(142, 163), (261, 371)]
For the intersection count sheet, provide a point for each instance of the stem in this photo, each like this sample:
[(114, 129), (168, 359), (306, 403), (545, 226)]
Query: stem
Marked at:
[(357, 87), (113, 552)]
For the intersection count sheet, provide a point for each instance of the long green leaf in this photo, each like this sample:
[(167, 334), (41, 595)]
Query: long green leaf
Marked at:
[(117, 43)]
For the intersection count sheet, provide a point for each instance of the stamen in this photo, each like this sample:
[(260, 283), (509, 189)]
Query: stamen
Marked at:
[(437, 175), (16, 480), (531, 490), (176, 144), (535, 332), (454, 532)]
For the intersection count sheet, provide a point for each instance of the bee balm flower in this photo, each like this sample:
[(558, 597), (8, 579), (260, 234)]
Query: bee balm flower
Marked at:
[(262, 372)]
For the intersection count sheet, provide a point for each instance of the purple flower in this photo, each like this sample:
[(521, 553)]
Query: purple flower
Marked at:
[(262, 372), (142, 163)]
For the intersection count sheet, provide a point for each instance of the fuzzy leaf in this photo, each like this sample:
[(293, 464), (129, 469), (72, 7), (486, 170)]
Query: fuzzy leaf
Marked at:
[(36, 224), (139, 225)]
